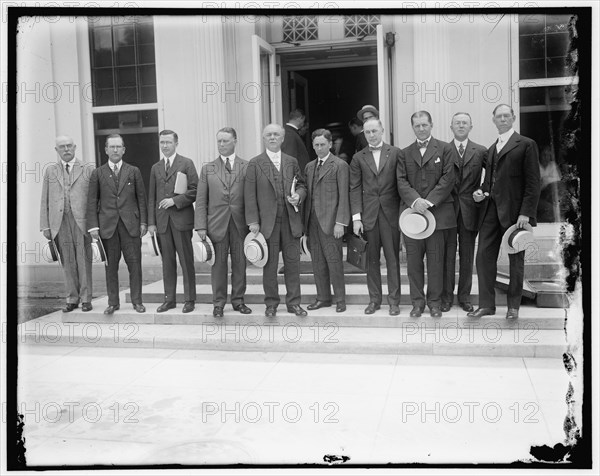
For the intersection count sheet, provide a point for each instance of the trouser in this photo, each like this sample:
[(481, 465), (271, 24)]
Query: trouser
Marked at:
[(174, 242), (232, 243), (327, 260)]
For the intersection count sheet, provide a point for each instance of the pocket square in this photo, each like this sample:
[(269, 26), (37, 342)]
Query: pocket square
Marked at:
[(437, 161)]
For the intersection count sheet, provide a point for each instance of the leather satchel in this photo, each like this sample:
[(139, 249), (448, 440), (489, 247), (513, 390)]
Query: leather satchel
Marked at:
[(357, 251)]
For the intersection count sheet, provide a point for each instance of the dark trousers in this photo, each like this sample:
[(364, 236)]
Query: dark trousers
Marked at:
[(131, 247), (466, 256), (416, 250), (327, 261), (383, 235), (449, 279), (232, 243), (281, 239), (76, 255), (490, 239), (172, 242)]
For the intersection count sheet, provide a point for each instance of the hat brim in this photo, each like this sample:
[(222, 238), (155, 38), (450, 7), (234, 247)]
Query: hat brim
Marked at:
[(155, 244), (261, 239), (208, 243), (425, 233), (372, 109), (509, 249), (304, 247)]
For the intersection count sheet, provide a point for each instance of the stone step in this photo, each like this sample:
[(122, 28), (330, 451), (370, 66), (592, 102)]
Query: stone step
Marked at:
[(413, 339), (530, 319)]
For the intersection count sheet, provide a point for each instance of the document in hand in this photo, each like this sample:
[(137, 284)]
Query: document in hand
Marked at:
[(293, 190), (180, 183)]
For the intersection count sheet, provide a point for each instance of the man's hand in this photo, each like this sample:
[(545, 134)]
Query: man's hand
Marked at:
[(254, 228), (47, 234), (95, 235), (338, 231), (201, 234), (479, 196), (420, 205), (357, 227), (166, 203), (143, 230), (152, 229), (294, 199), (522, 221)]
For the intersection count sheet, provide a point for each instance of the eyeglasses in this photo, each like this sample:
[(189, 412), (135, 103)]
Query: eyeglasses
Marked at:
[(114, 147), (66, 146)]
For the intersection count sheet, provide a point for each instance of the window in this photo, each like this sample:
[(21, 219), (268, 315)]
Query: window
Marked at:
[(359, 26), (122, 58), (545, 88), (300, 28)]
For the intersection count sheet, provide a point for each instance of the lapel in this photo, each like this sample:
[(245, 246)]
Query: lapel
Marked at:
[(123, 176), (107, 175), (383, 156), (326, 168), (415, 153), (370, 159), (310, 173), (511, 144), (59, 174), (161, 169), (219, 170), (431, 150), (236, 169), (267, 168), (77, 169), (469, 153)]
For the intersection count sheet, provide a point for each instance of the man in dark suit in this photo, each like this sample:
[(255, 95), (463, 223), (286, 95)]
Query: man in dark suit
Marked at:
[(356, 129), (117, 213), (293, 144), (171, 215), (425, 182), (220, 214), (468, 159), (374, 203), (509, 195), (327, 213), (63, 219), (273, 210)]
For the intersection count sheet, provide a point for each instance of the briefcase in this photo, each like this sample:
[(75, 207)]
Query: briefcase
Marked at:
[(357, 251)]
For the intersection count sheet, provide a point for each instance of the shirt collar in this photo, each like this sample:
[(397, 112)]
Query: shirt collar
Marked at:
[(325, 158), (64, 164), (273, 155), (291, 125), (118, 164), (380, 145), (507, 135), (464, 143), (428, 140), (171, 159), (230, 157)]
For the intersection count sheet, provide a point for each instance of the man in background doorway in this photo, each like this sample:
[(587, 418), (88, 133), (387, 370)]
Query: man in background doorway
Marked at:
[(293, 144), (356, 129)]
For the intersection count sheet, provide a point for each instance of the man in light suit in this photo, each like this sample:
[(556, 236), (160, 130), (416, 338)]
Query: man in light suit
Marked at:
[(327, 213), (293, 144), (220, 214), (269, 206), (374, 203), (468, 160), (62, 218), (425, 182), (509, 195), (117, 214), (171, 215)]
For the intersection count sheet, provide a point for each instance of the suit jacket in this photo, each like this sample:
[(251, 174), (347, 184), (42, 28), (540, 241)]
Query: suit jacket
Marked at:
[(371, 188), (220, 198), (465, 185), (260, 199), (52, 204), (107, 202), (430, 177), (330, 194), (294, 145), (162, 186), (517, 185)]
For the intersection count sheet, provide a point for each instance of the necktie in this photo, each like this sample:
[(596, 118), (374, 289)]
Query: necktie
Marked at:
[(168, 166), (67, 167), (276, 162), (500, 144), (461, 150), (227, 165), (116, 174), (371, 147), (319, 165), (423, 145)]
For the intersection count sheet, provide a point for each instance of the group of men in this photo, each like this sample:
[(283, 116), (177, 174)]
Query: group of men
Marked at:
[(456, 189)]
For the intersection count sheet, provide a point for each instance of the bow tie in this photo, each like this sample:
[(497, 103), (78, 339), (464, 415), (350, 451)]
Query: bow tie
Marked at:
[(372, 147), (423, 144)]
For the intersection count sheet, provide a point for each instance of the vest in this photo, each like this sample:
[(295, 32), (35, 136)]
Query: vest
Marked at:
[(67, 187), (279, 191)]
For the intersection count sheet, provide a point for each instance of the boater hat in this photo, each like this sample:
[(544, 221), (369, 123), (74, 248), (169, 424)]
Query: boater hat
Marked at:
[(304, 247), (99, 254), (366, 108), (204, 251), (416, 225), (255, 249), (516, 239)]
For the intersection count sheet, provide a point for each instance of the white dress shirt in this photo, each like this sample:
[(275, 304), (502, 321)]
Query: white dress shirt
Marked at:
[(503, 139)]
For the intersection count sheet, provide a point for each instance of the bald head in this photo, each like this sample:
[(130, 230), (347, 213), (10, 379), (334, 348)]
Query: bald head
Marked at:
[(65, 148)]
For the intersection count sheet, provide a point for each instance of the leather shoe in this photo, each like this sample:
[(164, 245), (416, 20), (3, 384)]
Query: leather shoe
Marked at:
[(394, 309), (165, 306), (110, 309), (416, 312), (372, 307), (243, 309), (296, 309), (86, 306), (189, 306), (139, 308), (482, 311), (318, 305), (340, 306), (435, 312), (70, 306), (271, 311), (512, 313), (466, 306), (446, 306), (217, 311)]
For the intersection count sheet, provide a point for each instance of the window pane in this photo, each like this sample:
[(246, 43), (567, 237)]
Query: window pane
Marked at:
[(531, 46), (145, 33), (124, 55), (102, 47), (149, 118), (557, 44), (147, 75), (103, 78), (557, 67), (146, 53), (104, 97), (530, 69), (530, 24), (123, 35), (148, 93), (127, 96), (557, 23), (108, 120)]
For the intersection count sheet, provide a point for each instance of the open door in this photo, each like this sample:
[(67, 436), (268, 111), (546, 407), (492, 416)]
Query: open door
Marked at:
[(298, 99), (383, 85), (264, 75)]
